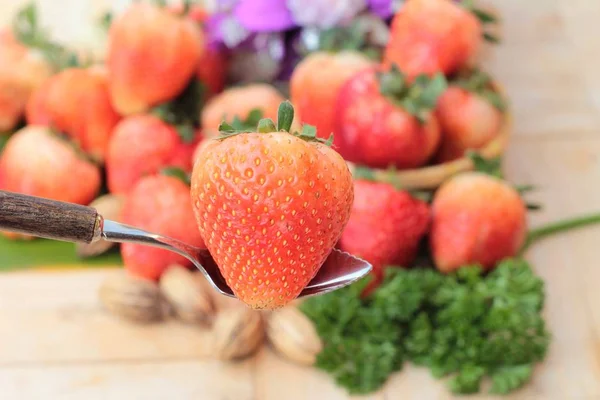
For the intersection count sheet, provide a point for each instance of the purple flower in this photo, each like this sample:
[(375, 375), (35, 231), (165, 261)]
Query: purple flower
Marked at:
[(385, 8), (263, 15), (324, 13)]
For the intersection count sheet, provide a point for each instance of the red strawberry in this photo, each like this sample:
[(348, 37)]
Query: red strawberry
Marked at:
[(152, 55), (476, 218), (212, 70), (159, 204), (270, 207), (76, 102), (470, 115), (431, 36), (316, 83), (383, 121), (141, 145), (22, 70), (239, 102), (385, 226), (39, 163)]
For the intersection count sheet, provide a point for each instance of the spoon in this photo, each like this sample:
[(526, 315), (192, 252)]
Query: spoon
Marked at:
[(70, 222)]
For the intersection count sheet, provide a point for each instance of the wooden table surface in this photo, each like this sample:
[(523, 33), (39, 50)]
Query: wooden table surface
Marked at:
[(56, 342)]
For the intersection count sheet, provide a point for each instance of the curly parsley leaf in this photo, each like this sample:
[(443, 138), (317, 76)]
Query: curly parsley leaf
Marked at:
[(467, 325)]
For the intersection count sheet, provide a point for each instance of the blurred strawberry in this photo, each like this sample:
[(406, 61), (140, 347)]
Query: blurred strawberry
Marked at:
[(431, 36), (76, 101), (382, 120), (470, 115), (212, 67), (152, 55), (316, 83), (476, 219), (159, 204), (386, 226), (252, 101), (144, 144), (212, 70), (37, 162), (22, 70)]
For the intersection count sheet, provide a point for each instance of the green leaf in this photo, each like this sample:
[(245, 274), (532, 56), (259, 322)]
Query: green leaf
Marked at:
[(489, 166), (507, 379), (43, 253), (491, 38), (309, 131), (484, 16), (266, 125), (432, 90), (225, 127), (285, 116), (178, 173), (185, 109), (106, 20), (186, 132)]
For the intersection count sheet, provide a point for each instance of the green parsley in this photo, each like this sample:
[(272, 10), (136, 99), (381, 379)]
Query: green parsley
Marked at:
[(464, 326)]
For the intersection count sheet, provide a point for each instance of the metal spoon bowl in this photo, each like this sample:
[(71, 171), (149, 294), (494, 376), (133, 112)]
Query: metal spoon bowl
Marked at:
[(74, 223)]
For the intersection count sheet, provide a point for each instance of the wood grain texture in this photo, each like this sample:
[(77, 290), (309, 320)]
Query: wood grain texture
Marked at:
[(45, 218), (59, 343)]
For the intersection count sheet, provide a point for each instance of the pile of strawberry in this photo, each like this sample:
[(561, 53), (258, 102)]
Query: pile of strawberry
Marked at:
[(135, 124)]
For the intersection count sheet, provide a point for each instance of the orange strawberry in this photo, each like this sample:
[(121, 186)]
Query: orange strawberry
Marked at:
[(477, 218), (316, 83), (160, 204), (270, 206), (141, 145), (152, 55), (383, 121), (470, 114), (385, 227), (39, 163), (76, 101), (432, 36), (22, 70), (240, 102)]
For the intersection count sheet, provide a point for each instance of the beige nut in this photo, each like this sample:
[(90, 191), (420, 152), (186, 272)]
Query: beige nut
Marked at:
[(238, 332), (187, 294), (293, 335), (109, 206), (133, 298)]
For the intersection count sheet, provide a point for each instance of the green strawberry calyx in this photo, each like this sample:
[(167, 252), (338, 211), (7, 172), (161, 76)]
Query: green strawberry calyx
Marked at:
[(178, 173), (419, 97), (485, 17), (479, 82), (285, 118)]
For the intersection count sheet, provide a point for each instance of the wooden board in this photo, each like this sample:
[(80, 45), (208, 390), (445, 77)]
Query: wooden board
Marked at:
[(57, 342)]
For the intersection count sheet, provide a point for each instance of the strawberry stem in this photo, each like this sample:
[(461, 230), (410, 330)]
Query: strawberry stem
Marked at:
[(559, 226)]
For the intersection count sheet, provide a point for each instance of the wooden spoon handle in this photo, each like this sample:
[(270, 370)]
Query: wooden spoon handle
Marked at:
[(49, 219)]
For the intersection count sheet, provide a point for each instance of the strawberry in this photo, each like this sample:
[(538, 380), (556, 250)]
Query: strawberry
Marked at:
[(212, 70), (470, 115), (76, 101), (270, 206), (152, 55), (433, 36), (22, 71), (386, 226), (476, 218), (239, 102), (316, 83), (40, 163), (159, 204), (383, 121), (141, 145)]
